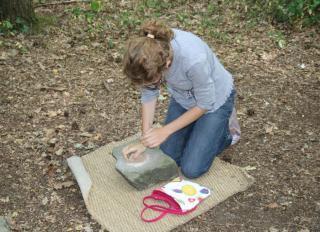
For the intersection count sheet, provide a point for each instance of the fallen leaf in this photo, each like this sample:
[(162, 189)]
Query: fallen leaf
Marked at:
[(66, 94), (88, 228), (13, 52), (52, 114), (302, 66), (97, 137), (61, 127), (273, 205), (62, 185), (86, 134), (78, 146), (41, 66), (269, 129), (95, 44), (38, 110), (53, 141), (4, 56), (268, 56), (90, 146), (82, 48), (59, 152), (281, 43), (273, 229), (49, 132), (19, 141), (250, 168), (304, 230), (50, 170), (50, 218), (5, 200), (55, 71), (44, 201), (14, 214), (241, 112), (55, 198), (78, 227)]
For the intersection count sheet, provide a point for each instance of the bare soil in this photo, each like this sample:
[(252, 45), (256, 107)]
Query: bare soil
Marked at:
[(62, 93)]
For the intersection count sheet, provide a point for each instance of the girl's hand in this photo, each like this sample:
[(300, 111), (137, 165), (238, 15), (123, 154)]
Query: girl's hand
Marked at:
[(155, 136), (133, 152)]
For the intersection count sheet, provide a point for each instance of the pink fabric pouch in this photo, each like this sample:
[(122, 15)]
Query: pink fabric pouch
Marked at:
[(179, 196)]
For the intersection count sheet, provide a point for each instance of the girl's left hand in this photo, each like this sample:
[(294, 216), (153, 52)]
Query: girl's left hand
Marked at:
[(155, 136)]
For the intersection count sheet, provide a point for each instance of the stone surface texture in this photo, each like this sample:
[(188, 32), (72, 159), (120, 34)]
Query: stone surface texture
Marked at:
[(156, 167)]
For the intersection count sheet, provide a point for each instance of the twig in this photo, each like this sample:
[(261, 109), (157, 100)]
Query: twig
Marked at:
[(59, 89), (106, 86), (62, 3)]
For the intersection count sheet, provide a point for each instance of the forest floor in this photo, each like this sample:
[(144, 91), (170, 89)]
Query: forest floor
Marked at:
[(62, 93)]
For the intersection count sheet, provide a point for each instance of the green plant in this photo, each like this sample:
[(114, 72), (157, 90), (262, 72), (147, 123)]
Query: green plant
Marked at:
[(21, 47), (211, 9), (183, 18), (127, 19), (207, 22), (77, 11), (96, 6), (156, 4), (151, 8), (19, 25), (5, 26), (278, 37), (220, 35), (110, 43), (304, 12), (22, 25), (90, 17), (42, 23)]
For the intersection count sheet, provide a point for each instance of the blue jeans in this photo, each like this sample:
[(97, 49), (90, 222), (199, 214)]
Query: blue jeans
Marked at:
[(195, 146)]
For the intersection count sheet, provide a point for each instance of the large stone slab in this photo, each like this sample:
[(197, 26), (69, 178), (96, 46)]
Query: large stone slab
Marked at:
[(154, 168)]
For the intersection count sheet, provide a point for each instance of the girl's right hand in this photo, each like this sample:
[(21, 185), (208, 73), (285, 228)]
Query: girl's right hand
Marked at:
[(133, 152)]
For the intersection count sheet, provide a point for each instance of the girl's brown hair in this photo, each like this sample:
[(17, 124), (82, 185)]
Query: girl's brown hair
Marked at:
[(146, 57)]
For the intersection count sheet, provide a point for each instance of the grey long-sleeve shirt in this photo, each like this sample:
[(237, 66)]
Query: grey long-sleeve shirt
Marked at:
[(196, 77)]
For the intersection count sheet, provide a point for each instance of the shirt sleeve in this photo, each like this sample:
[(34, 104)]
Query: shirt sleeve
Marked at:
[(149, 94), (203, 85)]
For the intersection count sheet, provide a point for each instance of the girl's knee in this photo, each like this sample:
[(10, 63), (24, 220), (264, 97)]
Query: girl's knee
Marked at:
[(192, 172)]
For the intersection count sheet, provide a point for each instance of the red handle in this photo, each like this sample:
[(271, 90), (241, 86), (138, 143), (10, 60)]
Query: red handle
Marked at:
[(160, 208), (153, 219)]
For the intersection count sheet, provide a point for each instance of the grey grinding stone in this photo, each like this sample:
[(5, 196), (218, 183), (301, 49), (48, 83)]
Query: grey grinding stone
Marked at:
[(156, 167), (3, 225)]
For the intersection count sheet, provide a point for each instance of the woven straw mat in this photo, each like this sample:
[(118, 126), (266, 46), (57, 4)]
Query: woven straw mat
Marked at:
[(116, 205)]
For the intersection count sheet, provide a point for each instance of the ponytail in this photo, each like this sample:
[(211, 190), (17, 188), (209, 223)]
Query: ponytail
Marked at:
[(157, 29)]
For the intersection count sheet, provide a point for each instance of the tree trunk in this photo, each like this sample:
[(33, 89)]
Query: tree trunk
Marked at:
[(12, 9)]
